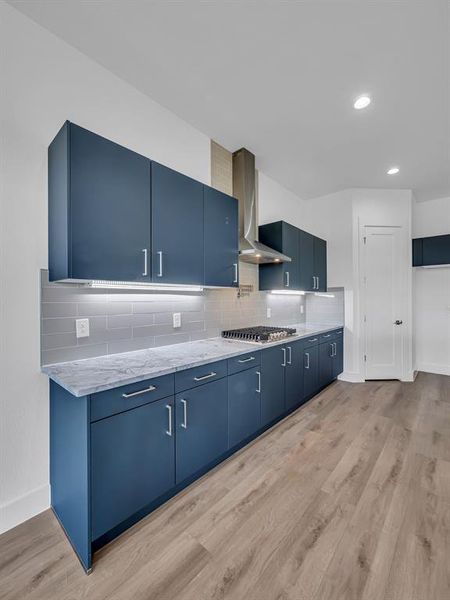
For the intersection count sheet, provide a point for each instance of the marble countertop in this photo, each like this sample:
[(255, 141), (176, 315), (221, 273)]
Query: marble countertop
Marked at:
[(90, 375)]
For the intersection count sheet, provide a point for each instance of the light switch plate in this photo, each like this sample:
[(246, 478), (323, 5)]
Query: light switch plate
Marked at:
[(176, 320), (302, 309), (82, 328), (269, 313)]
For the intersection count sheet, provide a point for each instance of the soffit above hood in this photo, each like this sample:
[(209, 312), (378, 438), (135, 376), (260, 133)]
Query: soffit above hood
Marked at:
[(244, 189)]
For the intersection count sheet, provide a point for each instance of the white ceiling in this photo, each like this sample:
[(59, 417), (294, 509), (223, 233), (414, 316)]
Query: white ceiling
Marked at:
[(280, 79)]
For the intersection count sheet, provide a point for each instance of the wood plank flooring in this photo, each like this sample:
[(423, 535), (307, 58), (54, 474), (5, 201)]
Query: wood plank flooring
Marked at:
[(346, 499)]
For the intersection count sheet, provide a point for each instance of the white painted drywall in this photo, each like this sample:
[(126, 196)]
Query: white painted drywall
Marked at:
[(45, 82), (431, 293)]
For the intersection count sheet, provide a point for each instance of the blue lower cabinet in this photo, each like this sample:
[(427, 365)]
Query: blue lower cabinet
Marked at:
[(294, 375), (201, 427), (326, 363), (310, 371), (338, 360), (132, 462), (244, 405), (273, 365)]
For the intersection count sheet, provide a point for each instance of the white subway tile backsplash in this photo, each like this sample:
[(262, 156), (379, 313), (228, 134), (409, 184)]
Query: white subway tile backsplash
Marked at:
[(121, 321)]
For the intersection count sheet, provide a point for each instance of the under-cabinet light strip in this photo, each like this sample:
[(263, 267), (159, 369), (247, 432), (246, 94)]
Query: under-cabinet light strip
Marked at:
[(151, 287)]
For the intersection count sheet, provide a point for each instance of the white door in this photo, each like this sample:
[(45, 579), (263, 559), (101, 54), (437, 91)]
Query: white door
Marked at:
[(382, 304)]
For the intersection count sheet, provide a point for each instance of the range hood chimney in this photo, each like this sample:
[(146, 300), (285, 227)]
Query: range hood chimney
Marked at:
[(244, 189)]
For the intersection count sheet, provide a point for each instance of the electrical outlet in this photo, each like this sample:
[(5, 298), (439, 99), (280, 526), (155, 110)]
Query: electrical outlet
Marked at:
[(302, 309), (177, 319), (269, 313), (82, 328)]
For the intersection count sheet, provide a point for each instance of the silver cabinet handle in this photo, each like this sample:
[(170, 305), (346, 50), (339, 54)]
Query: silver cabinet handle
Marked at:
[(169, 430), (284, 357), (335, 348), (318, 282), (212, 374), (332, 350), (235, 280), (259, 382), (246, 359), (307, 362), (160, 263), (289, 362), (287, 278), (145, 272), (312, 340), (314, 282), (151, 388), (327, 336), (184, 423)]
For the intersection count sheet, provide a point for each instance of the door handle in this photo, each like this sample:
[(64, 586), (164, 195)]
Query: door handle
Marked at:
[(151, 388), (235, 280), (283, 364), (169, 429), (212, 374), (307, 362), (246, 359), (145, 272), (160, 274), (287, 278), (289, 362), (398, 322), (184, 423), (259, 382)]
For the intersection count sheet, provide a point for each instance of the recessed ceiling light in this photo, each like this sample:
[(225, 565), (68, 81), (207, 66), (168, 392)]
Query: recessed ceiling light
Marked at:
[(362, 102), (393, 171)]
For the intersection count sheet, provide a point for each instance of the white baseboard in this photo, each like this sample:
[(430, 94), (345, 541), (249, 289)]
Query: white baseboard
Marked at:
[(23, 508), (351, 377), (409, 377), (438, 369)]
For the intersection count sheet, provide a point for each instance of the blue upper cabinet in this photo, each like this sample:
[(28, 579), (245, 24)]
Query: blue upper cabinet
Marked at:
[(221, 239), (320, 264), (307, 270), (177, 227), (431, 251), (99, 209)]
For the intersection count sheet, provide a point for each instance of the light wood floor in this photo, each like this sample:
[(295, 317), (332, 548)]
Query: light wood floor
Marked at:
[(347, 499)]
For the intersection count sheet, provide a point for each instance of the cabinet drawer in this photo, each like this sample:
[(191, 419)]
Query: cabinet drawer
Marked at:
[(311, 341), (243, 362), (117, 400), (191, 378), (326, 337)]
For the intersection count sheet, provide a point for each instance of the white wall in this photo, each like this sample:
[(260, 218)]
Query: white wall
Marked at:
[(431, 293), (44, 82)]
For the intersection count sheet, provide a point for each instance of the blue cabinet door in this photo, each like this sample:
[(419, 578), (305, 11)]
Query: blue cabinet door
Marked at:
[(273, 366), (290, 248), (244, 405), (326, 363), (109, 210), (294, 375), (132, 462), (177, 228), (306, 261), (310, 371), (221, 239), (338, 360), (320, 264), (436, 250), (201, 427)]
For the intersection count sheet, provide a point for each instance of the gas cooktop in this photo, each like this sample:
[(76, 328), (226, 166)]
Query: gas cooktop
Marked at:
[(259, 334)]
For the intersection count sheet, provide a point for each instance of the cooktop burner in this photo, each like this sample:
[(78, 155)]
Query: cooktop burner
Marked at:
[(259, 334)]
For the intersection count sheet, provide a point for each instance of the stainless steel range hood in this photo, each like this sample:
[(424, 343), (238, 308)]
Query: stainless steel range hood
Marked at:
[(244, 189)]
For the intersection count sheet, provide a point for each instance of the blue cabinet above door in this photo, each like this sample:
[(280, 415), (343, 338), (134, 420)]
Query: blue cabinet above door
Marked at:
[(221, 238), (99, 209), (177, 227)]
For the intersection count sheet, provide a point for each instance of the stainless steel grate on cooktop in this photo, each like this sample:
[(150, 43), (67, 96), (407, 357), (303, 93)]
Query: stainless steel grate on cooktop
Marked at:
[(259, 334)]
